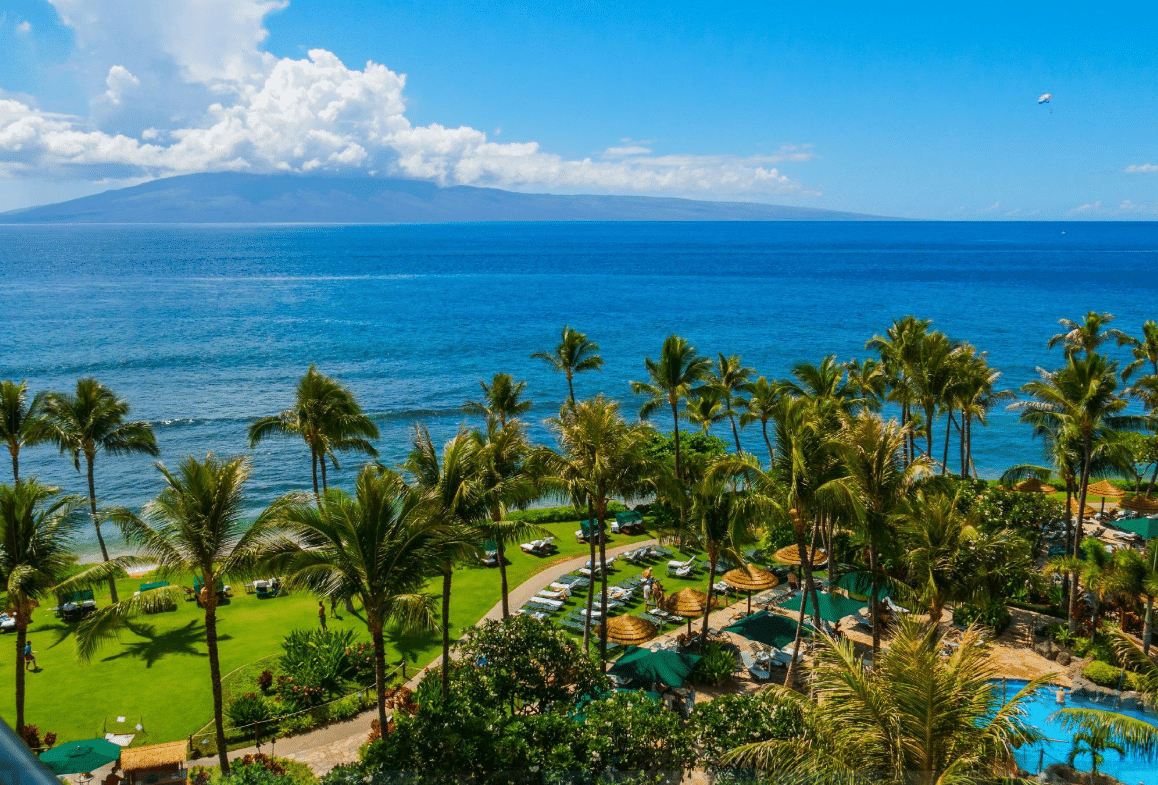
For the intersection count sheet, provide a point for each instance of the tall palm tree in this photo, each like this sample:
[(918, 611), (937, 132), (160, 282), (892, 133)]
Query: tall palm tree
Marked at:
[(975, 393), (915, 718), (507, 479), (898, 349), (1140, 580), (326, 417), (706, 409), (574, 354), (376, 546), (720, 516), (1081, 404), (1144, 350), (730, 378), (448, 481), (601, 456), (197, 524), (1087, 335), (37, 528), (675, 376), (93, 421), (879, 483), (501, 400), (1097, 570), (22, 422), (933, 375), (760, 406)]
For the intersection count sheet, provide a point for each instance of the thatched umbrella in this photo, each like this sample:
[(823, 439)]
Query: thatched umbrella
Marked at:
[(629, 630), (750, 578), (1104, 489), (687, 603), (1033, 485), (789, 554), (1138, 503), (1088, 511)]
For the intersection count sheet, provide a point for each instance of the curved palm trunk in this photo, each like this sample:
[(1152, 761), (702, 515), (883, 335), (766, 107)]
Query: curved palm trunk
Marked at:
[(379, 666), (323, 463), (603, 587), (790, 676), (314, 471), (735, 431), (500, 551), (446, 578), (875, 601), (15, 463), (929, 412), (591, 583), (948, 430), (1148, 625), (96, 522), (713, 557), (806, 568), (767, 441), (215, 676), (1078, 531), (571, 387), (675, 416), (21, 640)]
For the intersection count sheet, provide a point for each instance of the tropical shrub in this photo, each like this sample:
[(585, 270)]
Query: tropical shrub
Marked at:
[(1106, 675), (249, 709), (730, 721), (265, 681), (992, 614), (318, 664), (717, 663), (31, 736), (563, 514), (1020, 511)]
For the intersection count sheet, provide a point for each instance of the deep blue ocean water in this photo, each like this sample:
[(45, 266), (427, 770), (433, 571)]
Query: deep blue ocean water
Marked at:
[(205, 328)]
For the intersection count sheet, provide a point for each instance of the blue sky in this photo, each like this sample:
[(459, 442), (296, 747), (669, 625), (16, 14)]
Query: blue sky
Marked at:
[(890, 110)]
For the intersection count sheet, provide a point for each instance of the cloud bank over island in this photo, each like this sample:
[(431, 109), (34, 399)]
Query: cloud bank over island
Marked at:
[(188, 88)]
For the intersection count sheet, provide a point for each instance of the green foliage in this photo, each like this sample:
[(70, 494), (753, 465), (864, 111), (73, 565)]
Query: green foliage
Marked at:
[(993, 614), (716, 664), (248, 709), (543, 515), (256, 769), (730, 721), (693, 445), (318, 664), (780, 534), (1019, 511), (1106, 675)]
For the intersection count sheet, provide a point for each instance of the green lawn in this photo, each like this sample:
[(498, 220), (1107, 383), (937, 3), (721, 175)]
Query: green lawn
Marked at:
[(158, 670)]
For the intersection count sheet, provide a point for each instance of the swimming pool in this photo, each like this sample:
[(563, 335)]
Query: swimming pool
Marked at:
[(1130, 770)]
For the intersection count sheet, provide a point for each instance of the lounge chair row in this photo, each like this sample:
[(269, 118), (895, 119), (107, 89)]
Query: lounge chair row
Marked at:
[(539, 547)]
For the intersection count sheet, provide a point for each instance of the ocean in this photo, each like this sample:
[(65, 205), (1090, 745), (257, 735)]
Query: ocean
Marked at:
[(204, 328)]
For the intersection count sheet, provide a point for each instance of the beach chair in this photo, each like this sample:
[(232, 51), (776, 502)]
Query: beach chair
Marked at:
[(558, 594), (531, 547), (542, 603), (546, 545), (755, 670)]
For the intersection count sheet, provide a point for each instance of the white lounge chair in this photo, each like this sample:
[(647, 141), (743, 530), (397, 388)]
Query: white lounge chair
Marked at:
[(552, 604), (558, 594), (754, 669), (675, 564), (531, 547)]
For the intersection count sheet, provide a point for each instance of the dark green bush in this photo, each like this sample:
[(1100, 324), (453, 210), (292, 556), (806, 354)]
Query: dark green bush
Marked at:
[(541, 515), (717, 664), (249, 709), (993, 615)]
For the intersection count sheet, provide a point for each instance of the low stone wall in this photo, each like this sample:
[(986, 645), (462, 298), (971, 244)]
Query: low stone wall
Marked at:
[(1108, 697)]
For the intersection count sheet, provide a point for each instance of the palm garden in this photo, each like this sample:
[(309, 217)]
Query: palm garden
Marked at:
[(862, 483)]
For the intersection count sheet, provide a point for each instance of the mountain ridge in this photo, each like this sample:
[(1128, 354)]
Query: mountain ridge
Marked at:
[(228, 197)]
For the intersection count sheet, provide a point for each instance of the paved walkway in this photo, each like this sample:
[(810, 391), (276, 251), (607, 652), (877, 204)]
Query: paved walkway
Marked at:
[(325, 748)]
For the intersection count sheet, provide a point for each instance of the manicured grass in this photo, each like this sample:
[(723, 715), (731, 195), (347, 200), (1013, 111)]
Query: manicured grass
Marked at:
[(158, 669)]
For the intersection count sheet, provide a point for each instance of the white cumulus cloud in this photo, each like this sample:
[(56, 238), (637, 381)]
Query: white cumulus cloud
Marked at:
[(187, 88), (1132, 168), (24, 27)]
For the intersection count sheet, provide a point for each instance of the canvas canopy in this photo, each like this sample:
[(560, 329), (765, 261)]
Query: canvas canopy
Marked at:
[(771, 629), (641, 666), (1147, 527)]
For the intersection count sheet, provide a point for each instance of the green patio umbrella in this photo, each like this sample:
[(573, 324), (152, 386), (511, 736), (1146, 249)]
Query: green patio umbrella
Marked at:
[(833, 607), (771, 629), (75, 757), (1147, 527), (654, 667)]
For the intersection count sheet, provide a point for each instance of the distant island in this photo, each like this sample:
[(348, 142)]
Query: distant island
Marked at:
[(228, 197)]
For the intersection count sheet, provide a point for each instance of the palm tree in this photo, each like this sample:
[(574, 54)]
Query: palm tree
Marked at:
[(720, 515), (448, 481), (1144, 350), (898, 349), (730, 378), (506, 480), (36, 543), (601, 456), (92, 421), (197, 524), (760, 405), (673, 378), (22, 422), (916, 717), (500, 400), (1140, 580), (1099, 730), (1095, 569), (934, 373), (376, 546), (574, 354), (975, 394), (1080, 404), (878, 482), (1087, 335), (326, 417), (706, 409)]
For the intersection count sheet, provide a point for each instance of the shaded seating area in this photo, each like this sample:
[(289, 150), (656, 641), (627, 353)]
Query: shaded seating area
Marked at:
[(157, 764), (832, 607), (490, 557), (587, 529), (1147, 528), (770, 629), (76, 605), (644, 669), (539, 547), (630, 522)]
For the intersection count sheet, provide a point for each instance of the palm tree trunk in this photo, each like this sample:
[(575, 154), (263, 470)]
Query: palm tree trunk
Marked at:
[(961, 440), (21, 640), (948, 429), (500, 550), (790, 676), (713, 557), (15, 464), (379, 668), (314, 470), (875, 601), (1083, 484), (1148, 625), (96, 522), (323, 463), (767, 441), (571, 388), (215, 676), (591, 583), (603, 587), (806, 568), (675, 416), (929, 422), (447, 574), (735, 433)]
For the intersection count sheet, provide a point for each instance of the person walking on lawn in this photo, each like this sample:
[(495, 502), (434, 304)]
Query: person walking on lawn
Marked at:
[(322, 614)]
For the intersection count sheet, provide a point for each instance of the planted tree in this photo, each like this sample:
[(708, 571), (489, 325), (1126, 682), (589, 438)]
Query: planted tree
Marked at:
[(90, 422), (574, 354), (22, 421), (676, 376), (501, 401)]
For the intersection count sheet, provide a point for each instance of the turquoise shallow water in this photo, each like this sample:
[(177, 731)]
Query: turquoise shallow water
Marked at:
[(204, 328), (1129, 769)]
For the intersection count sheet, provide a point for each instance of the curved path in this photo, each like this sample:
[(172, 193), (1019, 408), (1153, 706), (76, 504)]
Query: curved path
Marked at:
[(325, 748)]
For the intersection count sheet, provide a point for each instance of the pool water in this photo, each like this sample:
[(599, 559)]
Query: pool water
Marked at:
[(1130, 770)]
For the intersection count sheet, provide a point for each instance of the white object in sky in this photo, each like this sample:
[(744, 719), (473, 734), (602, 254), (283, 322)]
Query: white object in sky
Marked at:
[(1044, 98)]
